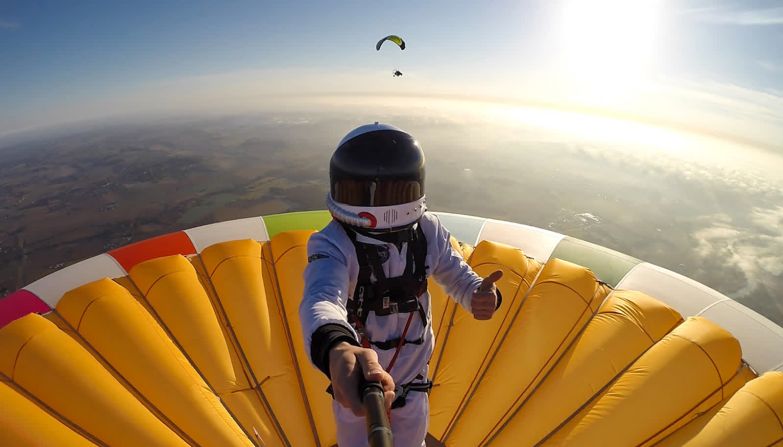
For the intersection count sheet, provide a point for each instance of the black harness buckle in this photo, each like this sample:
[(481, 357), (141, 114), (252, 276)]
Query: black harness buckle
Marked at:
[(401, 392)]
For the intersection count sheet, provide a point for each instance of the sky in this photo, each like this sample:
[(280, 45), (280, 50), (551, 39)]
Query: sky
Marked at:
[(707, 66), (689, 92)]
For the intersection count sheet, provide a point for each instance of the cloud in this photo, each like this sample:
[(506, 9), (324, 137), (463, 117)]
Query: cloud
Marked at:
[(754, 248), (748, 17), (8, 24)]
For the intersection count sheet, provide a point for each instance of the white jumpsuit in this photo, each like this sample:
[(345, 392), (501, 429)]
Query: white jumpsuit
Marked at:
[(330, 279)]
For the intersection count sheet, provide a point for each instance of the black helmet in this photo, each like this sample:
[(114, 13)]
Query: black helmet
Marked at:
[(377, 178)]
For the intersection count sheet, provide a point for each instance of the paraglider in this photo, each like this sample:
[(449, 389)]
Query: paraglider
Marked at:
[(391, 38), (397, 40)]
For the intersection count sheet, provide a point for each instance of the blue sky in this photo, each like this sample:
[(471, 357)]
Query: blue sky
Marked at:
[(63, 61)]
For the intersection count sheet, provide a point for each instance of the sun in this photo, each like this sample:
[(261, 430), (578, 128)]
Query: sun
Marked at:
[(607, 47)]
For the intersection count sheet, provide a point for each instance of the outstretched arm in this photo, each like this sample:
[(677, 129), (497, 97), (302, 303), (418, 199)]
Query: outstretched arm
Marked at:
[(323, 307)]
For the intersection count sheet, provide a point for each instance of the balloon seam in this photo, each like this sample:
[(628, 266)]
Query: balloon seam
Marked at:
[(497, 342), (271, 267), (135, 392), (246, 368)]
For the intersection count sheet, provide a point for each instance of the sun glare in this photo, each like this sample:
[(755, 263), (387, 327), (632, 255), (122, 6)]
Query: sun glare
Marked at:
[(607, 46)]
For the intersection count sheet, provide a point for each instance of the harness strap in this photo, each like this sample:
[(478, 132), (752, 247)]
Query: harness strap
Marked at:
[(400, 343), (364, 340), (401, 393), (385, 296), (393, 343)]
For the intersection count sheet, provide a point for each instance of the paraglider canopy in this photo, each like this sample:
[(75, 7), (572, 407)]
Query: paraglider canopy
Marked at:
[(392, 38)]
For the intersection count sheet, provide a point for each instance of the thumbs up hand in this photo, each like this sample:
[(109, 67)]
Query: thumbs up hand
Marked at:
[(484, 301)]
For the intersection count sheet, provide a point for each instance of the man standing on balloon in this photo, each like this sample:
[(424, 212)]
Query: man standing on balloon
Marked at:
[(366, 309)]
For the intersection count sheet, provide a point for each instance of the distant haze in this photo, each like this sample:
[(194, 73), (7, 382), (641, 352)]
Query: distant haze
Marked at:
[(706, 207)]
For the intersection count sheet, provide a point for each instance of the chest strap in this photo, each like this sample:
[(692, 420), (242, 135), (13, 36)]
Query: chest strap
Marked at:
[(399, 342)]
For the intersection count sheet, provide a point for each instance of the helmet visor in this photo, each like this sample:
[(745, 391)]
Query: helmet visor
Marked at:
[(376, 193)]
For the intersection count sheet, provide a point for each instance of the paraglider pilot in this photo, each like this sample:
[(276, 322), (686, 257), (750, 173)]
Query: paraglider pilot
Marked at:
[(366, 309), (397, 73)]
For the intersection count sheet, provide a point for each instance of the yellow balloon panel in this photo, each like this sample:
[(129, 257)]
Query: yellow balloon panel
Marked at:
[(691, 429), (23, 424), (440, 302), (288, 252), (558, 306), (455, 373), (55, 369), (129, 285), (245, 287), (172, 289), (254, 418), (750, 417), (689, 366), (441, 305), (678, 434), (128, 338), (260, 418), (626, 325)]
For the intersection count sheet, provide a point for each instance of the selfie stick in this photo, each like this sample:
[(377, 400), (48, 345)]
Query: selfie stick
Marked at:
[(379, 432)]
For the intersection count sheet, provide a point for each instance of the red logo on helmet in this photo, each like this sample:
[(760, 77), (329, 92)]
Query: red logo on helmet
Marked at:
[(373, 219)]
